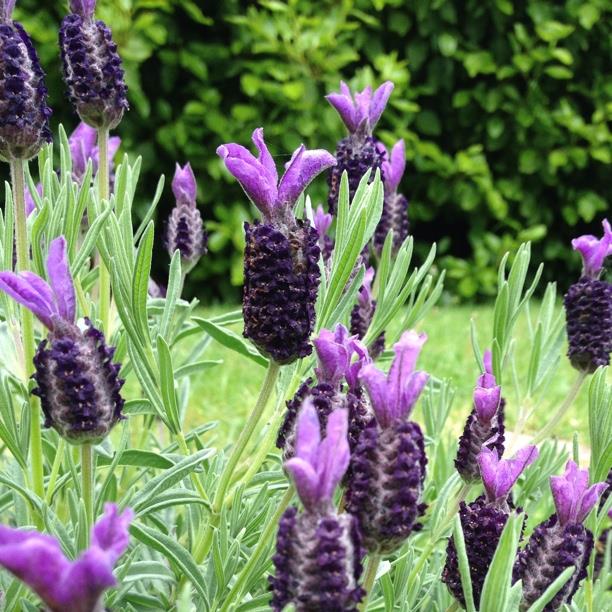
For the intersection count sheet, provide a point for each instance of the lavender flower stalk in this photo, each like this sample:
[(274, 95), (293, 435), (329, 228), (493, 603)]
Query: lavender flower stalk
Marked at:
[(318, 551), (395, 207), (335, 350), (78, 384), (561, 541), (388, 463), (358, 152), (281, 267), (484, 519), (363, 313), (24, 114), (185, 230), (484, 427), (92, 67), (588, 305), (78, 586)]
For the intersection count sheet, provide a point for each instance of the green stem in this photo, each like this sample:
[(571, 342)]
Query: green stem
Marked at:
[(369, 578), (57, 462), (255, 557), (182, 443), (565, 406), (103, 194), (205, 543), (87, 478), (27, 329)]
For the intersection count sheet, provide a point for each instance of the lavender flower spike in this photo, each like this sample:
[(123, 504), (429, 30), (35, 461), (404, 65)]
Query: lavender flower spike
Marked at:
[(281, 259), (24, 114), (484, 519), (78, 384), (561, 541), (37, 559), (588, 306), (395, 206), (185, 230), (393, 396), (594, 250), (92, 67), (318, 552)]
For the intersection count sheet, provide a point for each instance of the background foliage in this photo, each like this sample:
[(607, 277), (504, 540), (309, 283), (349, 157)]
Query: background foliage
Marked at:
[(505, 108)]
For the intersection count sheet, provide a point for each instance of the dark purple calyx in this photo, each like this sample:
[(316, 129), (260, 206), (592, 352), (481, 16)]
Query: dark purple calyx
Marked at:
[(92, 67), (24, 114), (588, 313), (317, 564)]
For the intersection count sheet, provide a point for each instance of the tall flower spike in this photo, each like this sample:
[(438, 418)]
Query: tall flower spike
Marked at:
[(185, 230), (24, 114), (387, 469), (484, 519), (484, 428), (588, 306), (395, 206), (363, 313), (318, 552), (37, 559), (335, 350), (561, 541), (78, 384), (358, 152), (92, 67), (281, 259)]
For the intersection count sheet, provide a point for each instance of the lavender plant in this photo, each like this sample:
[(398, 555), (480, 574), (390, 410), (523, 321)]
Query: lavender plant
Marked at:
[(139, 502)]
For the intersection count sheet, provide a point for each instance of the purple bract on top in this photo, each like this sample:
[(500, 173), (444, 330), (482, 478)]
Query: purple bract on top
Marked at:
[(335, 350), (78, 586), (83, 148), (594, 250), (78, 383)]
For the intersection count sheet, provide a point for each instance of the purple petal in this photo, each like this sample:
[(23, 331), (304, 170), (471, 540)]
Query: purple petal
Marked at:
[(22, 292), (84, 8), (110, 533), (352, 373), (6, 10), (375, 383), (184, 184), (411, 392), (265, 159), (303, 168), (251, 175), (305, 479), (30, 204), (487, 359), (363, 100), (82, 143), (486, 402), (37, 560), (393, 170), (308, 435), (365, 291), (334, 455), (407, 351), (345, 106), (594, 250), (589, 499), (379, 102), (499, 476), (322, 221), (333, 353), (60, 279)]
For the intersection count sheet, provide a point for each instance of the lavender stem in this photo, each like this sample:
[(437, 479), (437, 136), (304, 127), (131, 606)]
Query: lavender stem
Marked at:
[(87, 480), (369, 579), (103, 193)]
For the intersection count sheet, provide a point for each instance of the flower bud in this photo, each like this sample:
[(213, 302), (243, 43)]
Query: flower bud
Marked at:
[(24, 114), (92, 67)]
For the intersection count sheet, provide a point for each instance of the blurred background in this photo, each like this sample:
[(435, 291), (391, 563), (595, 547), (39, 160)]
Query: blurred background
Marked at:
[(505, 107)]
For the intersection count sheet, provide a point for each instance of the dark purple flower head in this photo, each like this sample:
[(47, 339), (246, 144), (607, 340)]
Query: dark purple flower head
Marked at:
[(335, 350), (48, 301), (259, 178), (487, 396), (594, 250), (185, 230), (394, 395), (83, 148), (24, 114), (362, 108), (319, 465), (572, 495), (92, 67), (393, 167), (78, 586), (499, 475)]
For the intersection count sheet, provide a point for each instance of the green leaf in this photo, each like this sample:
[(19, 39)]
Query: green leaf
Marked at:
[(166, 383), (142, 271), (139, 458), (464, 565)]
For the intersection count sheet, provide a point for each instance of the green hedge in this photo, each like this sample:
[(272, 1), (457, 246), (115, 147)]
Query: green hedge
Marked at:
[(505, 107)]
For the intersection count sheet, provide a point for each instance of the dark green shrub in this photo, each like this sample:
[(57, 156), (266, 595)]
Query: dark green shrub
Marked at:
[(505, 108)]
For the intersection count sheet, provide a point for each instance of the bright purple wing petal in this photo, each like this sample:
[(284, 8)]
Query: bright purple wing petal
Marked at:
[(379, 102), (110, 533), (375, 383), (594, 250), (346, 109), (334, 455), (486, 402), (264, 158), (393, 170), (60, 279), (22, 292), (184, 184), (308, 434), (305, 479)]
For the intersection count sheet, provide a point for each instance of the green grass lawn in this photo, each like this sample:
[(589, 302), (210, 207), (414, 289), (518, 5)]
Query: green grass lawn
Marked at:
[(227, 393)]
